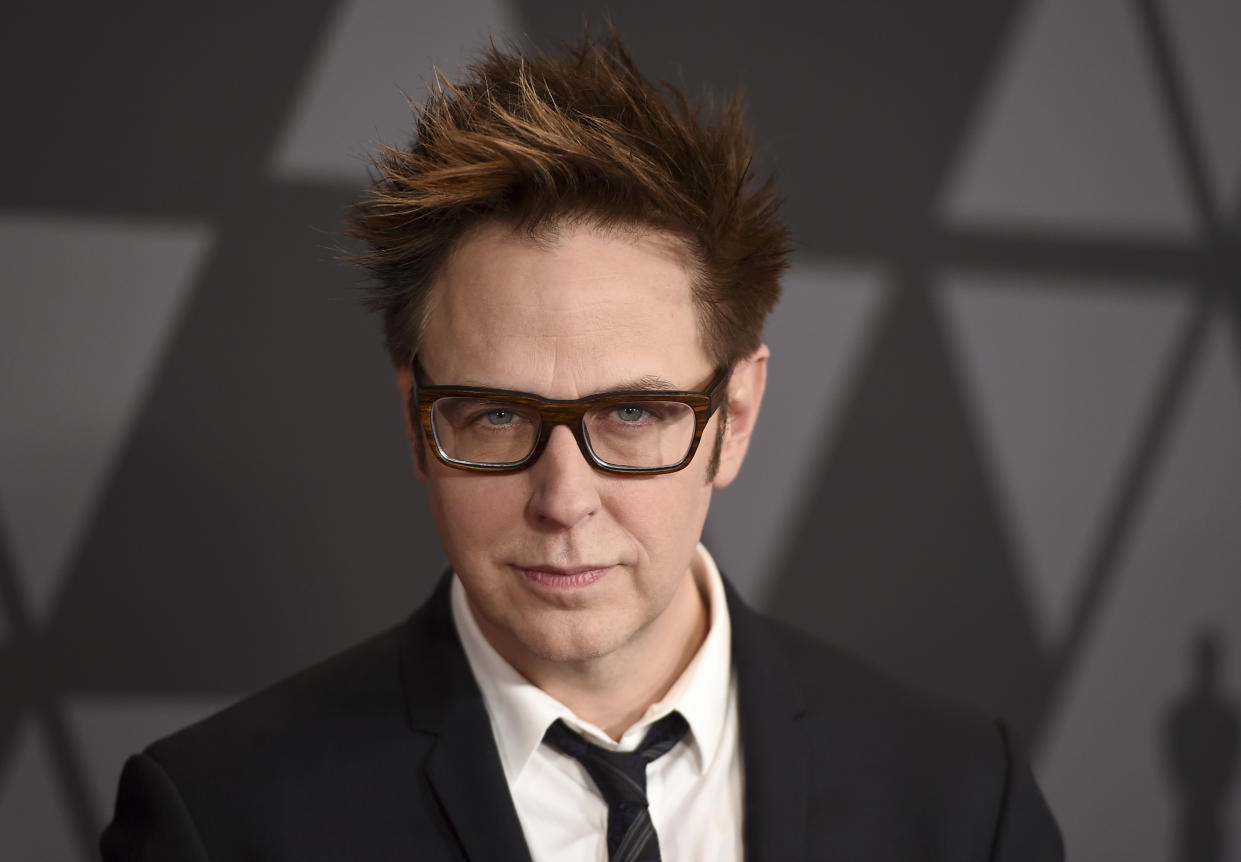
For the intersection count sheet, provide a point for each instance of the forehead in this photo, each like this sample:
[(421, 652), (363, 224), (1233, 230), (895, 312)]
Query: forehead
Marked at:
[(571, 309)]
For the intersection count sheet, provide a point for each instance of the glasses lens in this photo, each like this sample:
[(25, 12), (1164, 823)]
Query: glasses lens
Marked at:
[(641, 433), (483, 431)]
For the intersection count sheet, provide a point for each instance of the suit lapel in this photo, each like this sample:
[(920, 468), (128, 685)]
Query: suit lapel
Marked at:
[(774, 744), (463, 767)]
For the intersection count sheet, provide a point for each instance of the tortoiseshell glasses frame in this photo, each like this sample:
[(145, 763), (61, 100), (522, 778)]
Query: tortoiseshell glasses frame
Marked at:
[(570, 413)]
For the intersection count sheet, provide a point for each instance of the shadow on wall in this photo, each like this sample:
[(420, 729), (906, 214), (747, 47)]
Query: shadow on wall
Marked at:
[(1201, 736)]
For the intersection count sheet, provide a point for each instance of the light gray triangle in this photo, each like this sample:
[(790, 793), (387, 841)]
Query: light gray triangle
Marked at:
[(1071, 135), (1060, 378), (818, 334), (109, 728), (34, 820), (371, 52), (1206, 38), (89, 307), (1107, 765)]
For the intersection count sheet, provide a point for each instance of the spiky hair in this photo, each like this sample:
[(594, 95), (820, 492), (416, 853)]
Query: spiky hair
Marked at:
[(536, 140)]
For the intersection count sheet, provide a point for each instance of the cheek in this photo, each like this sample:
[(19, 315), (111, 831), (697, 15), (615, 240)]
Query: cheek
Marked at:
[(664, 516), (468, 509)]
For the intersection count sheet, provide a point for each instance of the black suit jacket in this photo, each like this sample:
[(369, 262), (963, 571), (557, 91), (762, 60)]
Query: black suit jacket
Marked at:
[(385, 752)]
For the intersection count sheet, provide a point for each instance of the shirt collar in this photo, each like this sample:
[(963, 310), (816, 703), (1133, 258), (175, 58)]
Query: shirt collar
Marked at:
[(521, 712)]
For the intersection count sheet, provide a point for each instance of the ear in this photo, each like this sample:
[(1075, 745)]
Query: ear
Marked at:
[(405, 385), (745, 396)]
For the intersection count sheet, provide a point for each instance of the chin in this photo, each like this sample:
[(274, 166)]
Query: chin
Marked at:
[(568, 644)]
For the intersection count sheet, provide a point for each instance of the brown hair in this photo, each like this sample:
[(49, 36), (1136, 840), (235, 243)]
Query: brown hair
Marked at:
[(534, 140)]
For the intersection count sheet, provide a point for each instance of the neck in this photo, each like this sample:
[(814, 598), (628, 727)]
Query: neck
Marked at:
[(614, 690)]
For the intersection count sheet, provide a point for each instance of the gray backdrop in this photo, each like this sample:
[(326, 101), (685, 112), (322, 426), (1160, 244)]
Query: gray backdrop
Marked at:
[(1001, 452)]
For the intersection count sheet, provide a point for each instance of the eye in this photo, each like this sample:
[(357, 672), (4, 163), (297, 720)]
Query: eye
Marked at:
[(631, 413), (498, 417), (642, 413)]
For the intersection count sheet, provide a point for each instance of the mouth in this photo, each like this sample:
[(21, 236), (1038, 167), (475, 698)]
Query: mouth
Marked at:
[(561, 578)]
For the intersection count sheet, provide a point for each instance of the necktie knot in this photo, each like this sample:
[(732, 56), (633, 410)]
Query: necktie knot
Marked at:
[(621, 779)]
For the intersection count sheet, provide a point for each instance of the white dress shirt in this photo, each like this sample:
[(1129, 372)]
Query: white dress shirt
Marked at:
[(695, 790)]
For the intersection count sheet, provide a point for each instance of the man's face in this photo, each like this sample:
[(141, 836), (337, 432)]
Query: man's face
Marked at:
[(562, 562)]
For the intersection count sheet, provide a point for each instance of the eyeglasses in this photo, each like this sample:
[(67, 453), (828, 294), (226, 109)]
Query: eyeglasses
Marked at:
[(500, 431)]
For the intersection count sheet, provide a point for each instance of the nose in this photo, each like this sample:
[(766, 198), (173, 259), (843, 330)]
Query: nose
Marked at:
[(565, 489)]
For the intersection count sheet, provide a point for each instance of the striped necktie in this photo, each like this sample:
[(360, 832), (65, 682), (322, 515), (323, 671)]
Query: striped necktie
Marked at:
[(621, 779)]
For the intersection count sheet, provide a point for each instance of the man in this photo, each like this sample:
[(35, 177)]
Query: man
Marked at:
[(573, 268)]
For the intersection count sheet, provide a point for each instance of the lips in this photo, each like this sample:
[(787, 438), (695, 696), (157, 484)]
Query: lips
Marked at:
[(558, 577)]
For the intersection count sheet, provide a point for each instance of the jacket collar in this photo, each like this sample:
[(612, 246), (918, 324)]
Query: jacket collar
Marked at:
[(463, 767), (464, 770), (775, 742), (521, 712)]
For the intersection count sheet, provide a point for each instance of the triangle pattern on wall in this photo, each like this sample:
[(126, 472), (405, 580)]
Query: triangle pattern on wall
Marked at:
[(34, 821), (371, 52), (90, 305), (1205, 35), (819, 331), (1057, 416), (1071, 135), (1176, 587)]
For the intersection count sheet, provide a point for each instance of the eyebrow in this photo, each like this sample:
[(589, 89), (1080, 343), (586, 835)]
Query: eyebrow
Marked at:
[(645, 383)]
